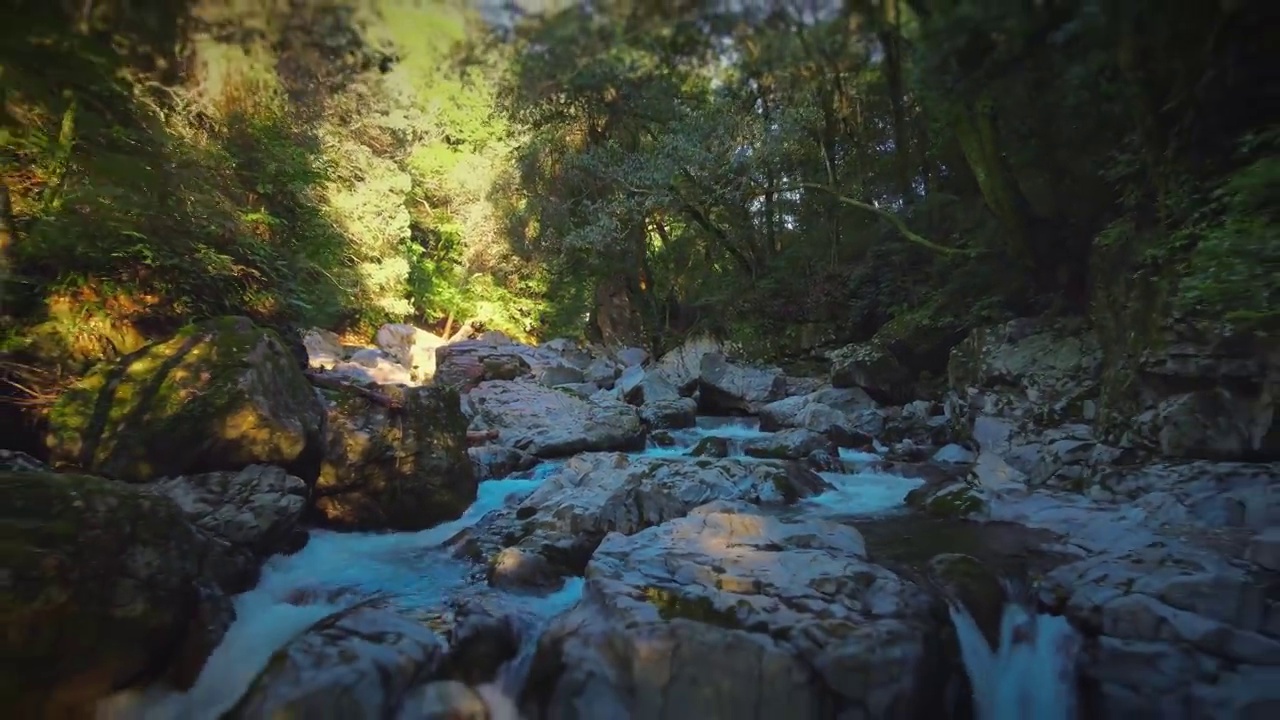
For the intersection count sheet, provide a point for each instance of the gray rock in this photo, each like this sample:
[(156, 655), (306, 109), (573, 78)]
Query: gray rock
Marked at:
[(729, 614), (549, 423), (355, 664), (724, 387), (258, 508), (790, 444), (669, 414)]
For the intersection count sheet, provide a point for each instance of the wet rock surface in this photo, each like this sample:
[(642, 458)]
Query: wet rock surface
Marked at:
[(400, 467), (105, 584), (689, 566), (727, 612)]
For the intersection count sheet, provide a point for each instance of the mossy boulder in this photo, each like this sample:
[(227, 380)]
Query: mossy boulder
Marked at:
[(711, 447), (398, 468), (1054, 364), (949, 501), (969, 583), (872, 367), (104, 583), (220, 395)]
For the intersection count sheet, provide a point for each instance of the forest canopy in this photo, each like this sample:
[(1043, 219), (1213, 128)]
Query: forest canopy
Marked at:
[(791, 175)]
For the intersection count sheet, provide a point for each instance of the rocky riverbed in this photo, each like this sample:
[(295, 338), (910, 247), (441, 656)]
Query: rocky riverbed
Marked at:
[(625, 536)]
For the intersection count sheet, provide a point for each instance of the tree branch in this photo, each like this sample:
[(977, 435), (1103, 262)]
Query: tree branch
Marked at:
[(885, 214)]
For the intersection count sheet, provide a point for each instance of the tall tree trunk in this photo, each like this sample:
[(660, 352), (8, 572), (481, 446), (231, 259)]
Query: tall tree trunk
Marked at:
[(891, 40), (975, 129), (7, 238)]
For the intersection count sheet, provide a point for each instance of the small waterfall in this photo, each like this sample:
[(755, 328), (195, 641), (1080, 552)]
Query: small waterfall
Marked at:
[(1030, 674)]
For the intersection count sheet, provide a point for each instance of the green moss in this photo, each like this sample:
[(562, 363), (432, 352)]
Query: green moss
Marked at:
[(222, 393), (716, 447), (403, 469), (76, 611), (786, 487), (957, 503), (672, 605)]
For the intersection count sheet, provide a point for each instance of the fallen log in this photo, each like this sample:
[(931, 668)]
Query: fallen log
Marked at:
[(334, 383)]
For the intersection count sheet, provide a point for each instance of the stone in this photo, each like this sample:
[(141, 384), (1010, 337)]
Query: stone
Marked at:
[(324, 348), (872, 367), (640, 387), (549, 423), (356, 663), (954, 454), (369, 357), (602, 372), (594, 494), (258, 508), (411, 347), (725, 388), (464, 365), (816, 411), (498, 461), (104, 582), (1055, 365), (790, 444), (669, 414), (376, 369), (556, 375), (727, 613), (221, 395), (394, 468), (631, 356), (16, 461), (1214, 424), (444, 700), (1264, 548), (682, 366)]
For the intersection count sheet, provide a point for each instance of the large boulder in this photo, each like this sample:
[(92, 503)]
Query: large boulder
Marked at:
[(358, 664), (464, 365), (728, 613), (550, 423), (412, 347), (257, 509), (639, 386), (789, 444), (1176, 629), (786, 413), (682, 366), (599, 493), (1054, 365), (874, 368), (220, 395), (847, 415), (324, 348), (371, 366), (104, 583), (1208, 394), (726, 388), (401, 465)]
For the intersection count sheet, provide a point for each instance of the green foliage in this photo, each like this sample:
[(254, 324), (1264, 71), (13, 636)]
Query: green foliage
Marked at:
[(238, 188), (790, 180), (1234, 271), (759, 168)]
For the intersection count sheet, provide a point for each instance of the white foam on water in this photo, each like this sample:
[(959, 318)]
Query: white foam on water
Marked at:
[(333, 572), (857, 456), (1030, 674), (863, 493)]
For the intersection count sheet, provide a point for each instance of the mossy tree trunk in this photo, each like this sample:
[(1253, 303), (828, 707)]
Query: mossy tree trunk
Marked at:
[(7, 238)]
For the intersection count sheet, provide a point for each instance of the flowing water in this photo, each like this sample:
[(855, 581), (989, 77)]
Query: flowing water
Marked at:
[(1031, 671), (417, 576)]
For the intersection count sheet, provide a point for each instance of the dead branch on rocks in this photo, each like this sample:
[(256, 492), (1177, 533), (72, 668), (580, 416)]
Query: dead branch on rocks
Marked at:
[(372, 396)]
